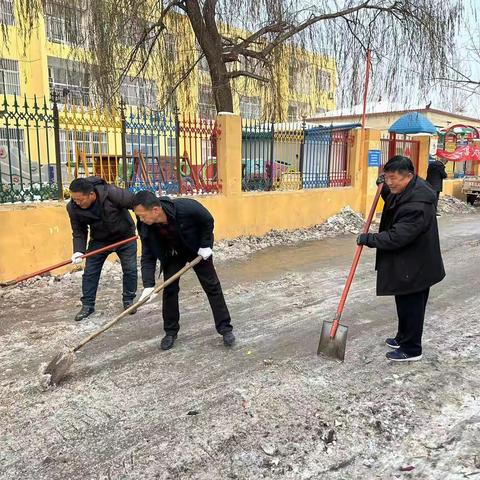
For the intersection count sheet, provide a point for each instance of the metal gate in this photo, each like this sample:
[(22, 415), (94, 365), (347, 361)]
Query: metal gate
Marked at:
[(399, 146)]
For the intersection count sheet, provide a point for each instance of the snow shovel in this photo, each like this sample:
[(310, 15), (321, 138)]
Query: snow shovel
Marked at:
[(53, 373), (333, 338), (65, 262)]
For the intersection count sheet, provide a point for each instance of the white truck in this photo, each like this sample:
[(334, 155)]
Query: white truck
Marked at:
[(471, 188)]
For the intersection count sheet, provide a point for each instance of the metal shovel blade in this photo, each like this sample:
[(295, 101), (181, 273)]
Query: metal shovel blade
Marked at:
[(333, 347)]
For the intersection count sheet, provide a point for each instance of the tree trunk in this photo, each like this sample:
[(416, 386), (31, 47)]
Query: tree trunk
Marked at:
[(207, 35)]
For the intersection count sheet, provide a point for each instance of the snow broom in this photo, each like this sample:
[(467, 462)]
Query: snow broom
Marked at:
[(333, 339), (56, 370)]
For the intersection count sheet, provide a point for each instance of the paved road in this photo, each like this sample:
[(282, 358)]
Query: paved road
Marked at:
[(269, 408)]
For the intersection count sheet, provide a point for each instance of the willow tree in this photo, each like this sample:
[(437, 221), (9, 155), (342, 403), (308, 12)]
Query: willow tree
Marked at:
[(245, 39)]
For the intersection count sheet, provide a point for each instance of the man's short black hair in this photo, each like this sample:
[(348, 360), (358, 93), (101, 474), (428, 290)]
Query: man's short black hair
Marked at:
[(81, 185), (399, 164), (146, 199)]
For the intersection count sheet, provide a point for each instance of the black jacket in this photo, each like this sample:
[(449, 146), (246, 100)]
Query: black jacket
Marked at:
[(435, 175), (193, 226), (408, 246), (113, 222)]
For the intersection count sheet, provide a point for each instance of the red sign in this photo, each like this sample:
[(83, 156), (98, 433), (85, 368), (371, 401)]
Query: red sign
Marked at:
[(469, 153)]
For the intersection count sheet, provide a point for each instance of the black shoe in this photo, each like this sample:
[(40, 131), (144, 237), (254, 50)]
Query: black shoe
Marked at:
[(84, 312), (399, 356), (128, 305), (392, 343), (167, 342), (228, 339)]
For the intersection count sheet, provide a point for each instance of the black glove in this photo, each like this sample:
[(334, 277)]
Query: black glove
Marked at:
[(380, 179), (362, 239)]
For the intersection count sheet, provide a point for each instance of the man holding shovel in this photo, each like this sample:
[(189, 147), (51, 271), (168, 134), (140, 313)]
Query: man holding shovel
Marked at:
[(175, 232), (102, 209), (408, 261)]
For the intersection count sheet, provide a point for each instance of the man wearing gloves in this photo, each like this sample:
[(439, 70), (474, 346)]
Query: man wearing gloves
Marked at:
[(175, 232), (103, 209), (409, 261)]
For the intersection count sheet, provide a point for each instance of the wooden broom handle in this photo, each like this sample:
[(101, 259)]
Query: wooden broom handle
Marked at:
[(133, 307)]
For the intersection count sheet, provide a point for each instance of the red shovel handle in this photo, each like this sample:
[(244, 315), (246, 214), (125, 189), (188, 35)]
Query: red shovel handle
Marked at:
[(356, 259), (66, 262)]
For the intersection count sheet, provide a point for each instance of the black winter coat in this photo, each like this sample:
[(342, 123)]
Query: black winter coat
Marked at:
[(408, 246), (193, 226), (436, 174), (113, 222)]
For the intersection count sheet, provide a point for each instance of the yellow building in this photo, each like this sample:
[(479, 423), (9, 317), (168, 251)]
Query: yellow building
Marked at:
[(38, 145), (305, 85)]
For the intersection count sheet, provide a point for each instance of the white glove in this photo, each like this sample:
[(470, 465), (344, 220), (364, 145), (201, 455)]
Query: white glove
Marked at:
[(205, 252), (146, 292), (76, 258)]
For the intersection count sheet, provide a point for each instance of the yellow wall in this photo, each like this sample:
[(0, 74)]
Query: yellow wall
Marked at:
[(35, 236), (39, 235), (453, 188)]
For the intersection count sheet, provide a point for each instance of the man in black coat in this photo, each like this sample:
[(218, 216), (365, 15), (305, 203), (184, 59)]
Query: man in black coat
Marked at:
[(408, 261), (103, 209), (175, 232), (435, 176)]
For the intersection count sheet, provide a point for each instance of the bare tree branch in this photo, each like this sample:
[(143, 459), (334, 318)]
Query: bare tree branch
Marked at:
[(246, 73)]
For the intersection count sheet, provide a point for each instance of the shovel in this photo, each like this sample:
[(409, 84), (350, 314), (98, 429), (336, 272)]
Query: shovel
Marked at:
[(53, 373), (65, 262), (333, 338)]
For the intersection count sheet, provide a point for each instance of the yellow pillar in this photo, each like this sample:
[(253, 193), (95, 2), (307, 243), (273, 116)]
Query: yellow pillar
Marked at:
[(476, 165), (423, 153), (229, 153), (357, 167), (371, 145)]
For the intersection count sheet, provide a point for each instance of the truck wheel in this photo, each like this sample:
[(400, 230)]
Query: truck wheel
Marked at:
[(471, 199)]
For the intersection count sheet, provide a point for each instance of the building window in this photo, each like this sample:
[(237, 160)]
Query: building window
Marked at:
[(68, 80), (206, 103), (202, 64), (7, 16), (74, 142), (148, 145), (170, 46), (299, 77), (12, 140), (252, 65), (297, 110), (250, 107), (9, 77), (139, 92), (323, 80), (63, 24)]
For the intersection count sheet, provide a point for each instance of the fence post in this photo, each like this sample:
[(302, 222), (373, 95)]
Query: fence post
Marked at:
[(272, 142), (177, 149), (124, 142), (329, 159), (302, 152), (58, 157)]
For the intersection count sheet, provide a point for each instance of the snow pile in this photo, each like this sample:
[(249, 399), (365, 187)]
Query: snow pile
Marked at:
[(345, 222), (449, 204)]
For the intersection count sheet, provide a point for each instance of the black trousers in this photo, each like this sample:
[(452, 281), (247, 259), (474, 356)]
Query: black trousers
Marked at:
[(411, 315), (93, 267), (436, 201), (210, 283)]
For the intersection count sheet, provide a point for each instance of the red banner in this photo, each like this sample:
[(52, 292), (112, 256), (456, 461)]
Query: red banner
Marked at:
[(469, 153)]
